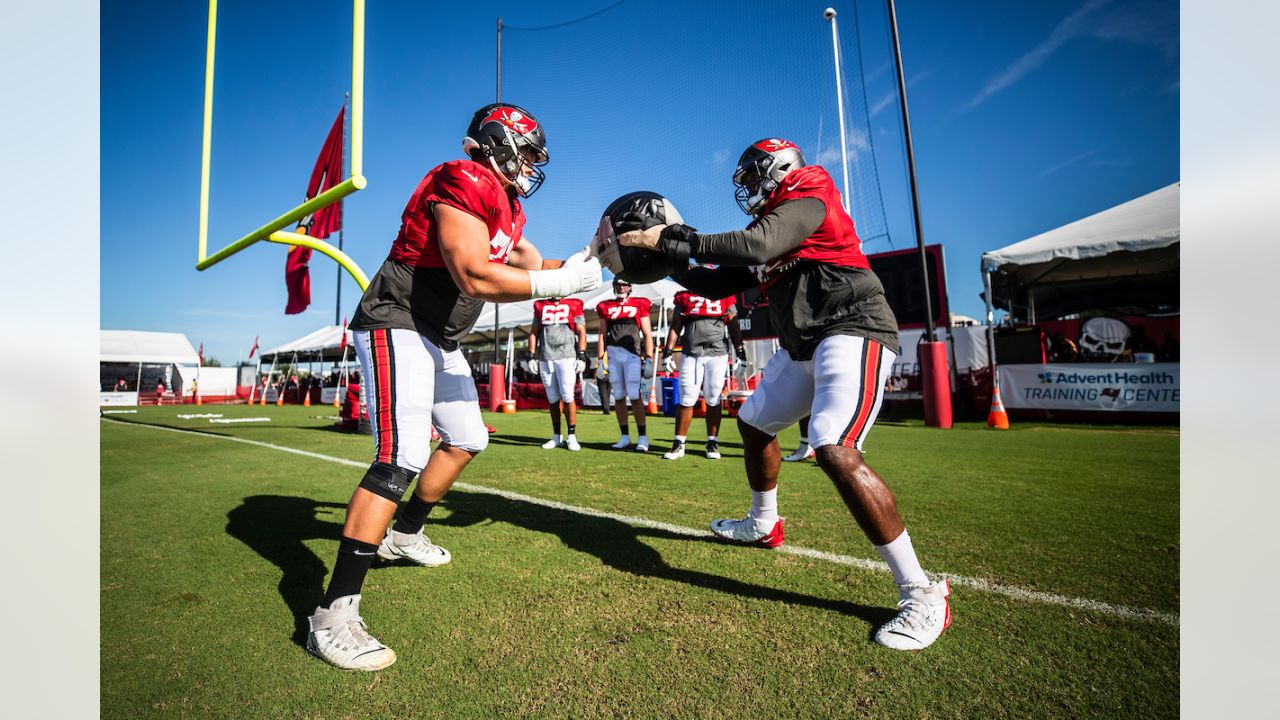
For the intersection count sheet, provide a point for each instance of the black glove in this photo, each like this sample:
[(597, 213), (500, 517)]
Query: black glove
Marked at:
[(678, 243), (582, 356), (742, 353)]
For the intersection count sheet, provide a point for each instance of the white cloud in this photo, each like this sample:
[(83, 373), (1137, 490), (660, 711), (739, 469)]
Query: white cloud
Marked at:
[(1067, 163)]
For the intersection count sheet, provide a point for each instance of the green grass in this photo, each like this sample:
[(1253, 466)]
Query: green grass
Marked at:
[(213, 551)]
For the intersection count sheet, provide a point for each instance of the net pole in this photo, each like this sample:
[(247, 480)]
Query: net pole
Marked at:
[(911, 171), (830, 15), (497, 95)]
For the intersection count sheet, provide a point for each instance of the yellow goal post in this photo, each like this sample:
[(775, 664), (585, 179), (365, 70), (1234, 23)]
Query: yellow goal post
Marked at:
[(274, 230)]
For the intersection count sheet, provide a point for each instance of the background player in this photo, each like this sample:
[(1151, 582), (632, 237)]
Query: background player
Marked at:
[(559, 342), (704, 328), (626, 334), (838, 338), (461, 242)]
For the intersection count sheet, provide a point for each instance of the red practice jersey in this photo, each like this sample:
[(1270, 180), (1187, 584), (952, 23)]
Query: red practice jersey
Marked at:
[(467, 186), (623, 317), (696, 306), (834, 242), (566, 311)]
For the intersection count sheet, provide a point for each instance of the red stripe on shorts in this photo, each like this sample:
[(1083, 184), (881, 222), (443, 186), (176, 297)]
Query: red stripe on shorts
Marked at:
[(867, 400), (378, 348)]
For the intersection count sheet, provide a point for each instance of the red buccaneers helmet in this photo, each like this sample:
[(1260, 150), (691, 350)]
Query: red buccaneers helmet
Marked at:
[(510, 139), (761, 169)]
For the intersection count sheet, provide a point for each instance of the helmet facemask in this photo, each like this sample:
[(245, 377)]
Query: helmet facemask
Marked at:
[(621, 288)]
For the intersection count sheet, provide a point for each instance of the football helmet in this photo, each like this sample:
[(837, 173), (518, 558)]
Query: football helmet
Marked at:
[(634, 211), (510, 140), (761, 169)]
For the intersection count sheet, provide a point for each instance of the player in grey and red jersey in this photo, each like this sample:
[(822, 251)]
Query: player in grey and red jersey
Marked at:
[(626, 336), (838, 339), (704, 328), (559, 344), (461, 242)]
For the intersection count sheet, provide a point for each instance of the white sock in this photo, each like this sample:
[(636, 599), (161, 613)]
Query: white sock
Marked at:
[(680, 438), (804, 441), (902, 561), (764, 508), (711, 438), (572, 436)]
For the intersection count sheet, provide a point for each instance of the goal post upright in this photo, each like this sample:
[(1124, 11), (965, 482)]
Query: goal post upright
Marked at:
[(274, 231)]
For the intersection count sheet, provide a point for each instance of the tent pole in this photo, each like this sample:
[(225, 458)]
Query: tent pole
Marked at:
[(991, 321)]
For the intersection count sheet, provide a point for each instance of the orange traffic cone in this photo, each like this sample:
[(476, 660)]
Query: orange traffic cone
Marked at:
[(196, 392), (280, 396), (306, 397), (262, 401), (997, 418), (653, 398)]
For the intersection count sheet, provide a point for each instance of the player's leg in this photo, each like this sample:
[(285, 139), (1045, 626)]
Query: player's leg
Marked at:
[(781, 398), (547, 372), (716, 369), (618, 386), (566, 373), (847, 398), (633, 383), (392, 364), (690, 371), (456, 415), (804, 450)]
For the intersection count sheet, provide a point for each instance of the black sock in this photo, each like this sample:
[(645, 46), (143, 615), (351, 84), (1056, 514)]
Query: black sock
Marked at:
[(555, 427), (354, 559), (413, 515), (624, 430), (573, 429), (640, 429)]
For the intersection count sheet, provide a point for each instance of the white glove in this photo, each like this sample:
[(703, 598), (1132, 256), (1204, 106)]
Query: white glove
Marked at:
[(669, 363), (578, 273), (579, 367), (532, 367)]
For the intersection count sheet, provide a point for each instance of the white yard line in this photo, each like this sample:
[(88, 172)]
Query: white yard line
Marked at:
[(1012, 591)]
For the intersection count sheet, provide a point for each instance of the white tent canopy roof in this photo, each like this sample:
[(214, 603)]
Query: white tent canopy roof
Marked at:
[(1144, 223), (137, 346), (328, 337)]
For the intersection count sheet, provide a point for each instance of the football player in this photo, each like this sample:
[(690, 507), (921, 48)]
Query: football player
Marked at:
[(461, 242), (838, 339), (704, 328), (626, 335), (559, 342)]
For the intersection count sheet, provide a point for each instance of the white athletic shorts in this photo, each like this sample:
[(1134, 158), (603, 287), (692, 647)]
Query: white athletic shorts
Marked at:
[(624, 374), (841, 389), (411, 385), (705, 373), (559, 378)]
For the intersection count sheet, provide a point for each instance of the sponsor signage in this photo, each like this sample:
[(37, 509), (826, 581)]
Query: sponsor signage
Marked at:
[(117, 398), (1128, 387)]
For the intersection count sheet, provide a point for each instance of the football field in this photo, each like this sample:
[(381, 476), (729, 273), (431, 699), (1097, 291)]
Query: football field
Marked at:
[(587, 585)]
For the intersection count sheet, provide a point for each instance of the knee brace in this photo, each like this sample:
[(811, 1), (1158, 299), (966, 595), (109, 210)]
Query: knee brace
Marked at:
[(388, 481)]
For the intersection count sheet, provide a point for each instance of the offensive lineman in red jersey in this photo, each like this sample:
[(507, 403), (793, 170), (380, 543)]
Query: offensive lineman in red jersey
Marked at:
[(559, 345), (461, 242), (627, 337), (838, 337), (704, 327)]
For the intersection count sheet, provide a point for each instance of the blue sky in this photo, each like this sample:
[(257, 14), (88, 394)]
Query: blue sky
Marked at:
[(1025, 116)]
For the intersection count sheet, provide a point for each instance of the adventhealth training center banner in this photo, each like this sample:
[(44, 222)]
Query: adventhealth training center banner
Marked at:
[(1131, 387)]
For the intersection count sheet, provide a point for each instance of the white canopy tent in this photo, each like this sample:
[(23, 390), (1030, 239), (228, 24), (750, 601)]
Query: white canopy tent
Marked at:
[(1124, 258), (137, 346), (324, 344)]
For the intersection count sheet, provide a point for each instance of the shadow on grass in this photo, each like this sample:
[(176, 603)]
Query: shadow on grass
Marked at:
[(276, 527)]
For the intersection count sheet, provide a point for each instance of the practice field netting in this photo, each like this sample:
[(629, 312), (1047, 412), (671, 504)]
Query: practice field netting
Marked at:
[(665, 96)]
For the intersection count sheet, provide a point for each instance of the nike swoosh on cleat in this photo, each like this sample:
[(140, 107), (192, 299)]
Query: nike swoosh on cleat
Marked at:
[(357, 552)]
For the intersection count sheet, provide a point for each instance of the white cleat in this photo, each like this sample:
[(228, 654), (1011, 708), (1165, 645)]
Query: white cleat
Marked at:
[(415, 548), (553, 443), (642, 445), (339, 637), (748, 532), (623, 443), (923, 613), (572, 443), (713, 450), (676, 452), (804, 452)]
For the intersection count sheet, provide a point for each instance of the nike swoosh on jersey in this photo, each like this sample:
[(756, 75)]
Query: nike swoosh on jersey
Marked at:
[(793, 187), (474, 179)]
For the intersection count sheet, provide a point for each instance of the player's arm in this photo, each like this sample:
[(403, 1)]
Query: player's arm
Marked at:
[(582, 334), (533, 335), (673, 335), (464, 245), (735, 335), (525, 255), (646, 327), (773, 235), (716, 282), (602, 331)]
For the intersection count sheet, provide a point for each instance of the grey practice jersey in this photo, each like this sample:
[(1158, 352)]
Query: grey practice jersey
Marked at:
[(558, 321), (705, 336), (417, 298)]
